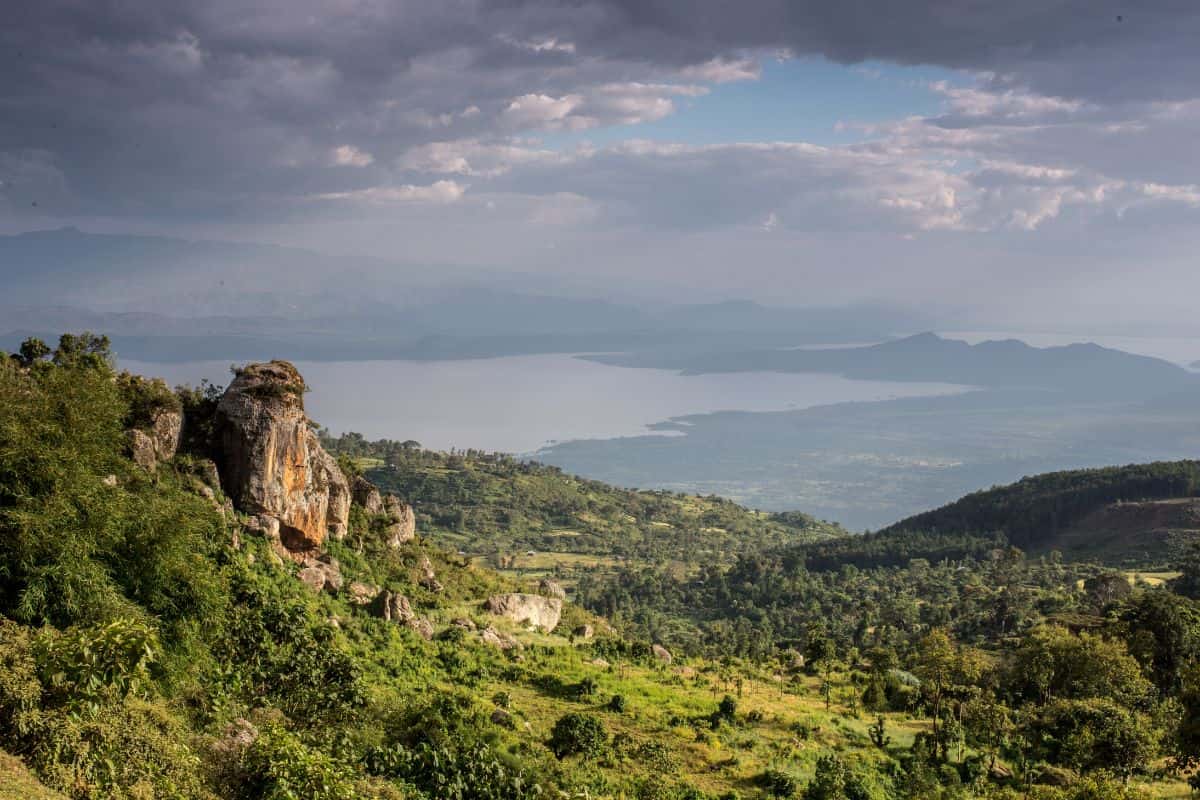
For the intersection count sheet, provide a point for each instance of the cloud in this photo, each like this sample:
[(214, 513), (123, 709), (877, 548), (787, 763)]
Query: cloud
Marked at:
[(347, 155), (437, 192)]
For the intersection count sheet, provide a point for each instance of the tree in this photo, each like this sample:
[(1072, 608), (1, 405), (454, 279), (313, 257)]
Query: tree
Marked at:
[(936, 663), (576, 733)]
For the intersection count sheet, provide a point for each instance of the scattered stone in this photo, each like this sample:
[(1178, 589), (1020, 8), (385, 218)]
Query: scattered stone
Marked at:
[(361, 594), (503, 718), (599, 662), (549, 588), (500, 641), (464, 623), (999, 772), (322, 573), (110, 481), (422, 626), (393, 607), (662, 654), (540, 612), (428, 579), (272, 462), (583, 632)]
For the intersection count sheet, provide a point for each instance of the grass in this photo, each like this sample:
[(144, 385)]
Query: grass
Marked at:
[(16, 783)]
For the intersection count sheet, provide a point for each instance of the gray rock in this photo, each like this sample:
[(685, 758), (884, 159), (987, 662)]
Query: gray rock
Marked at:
[(360, 594), (537, 611), (271, 462), (159, 441), (366, 496), (583, 632), (321, 574), (428, 579), (500, 641), (401, 521), (549, 588), (662, 654)]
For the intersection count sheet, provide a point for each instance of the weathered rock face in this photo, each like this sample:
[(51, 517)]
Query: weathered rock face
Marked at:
[(271, 462), (540, 612), (402, 521), (159, 442), (366, 496), (662, 654)]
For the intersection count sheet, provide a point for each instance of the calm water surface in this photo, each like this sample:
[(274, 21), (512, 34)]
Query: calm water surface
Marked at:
[(519, 404)]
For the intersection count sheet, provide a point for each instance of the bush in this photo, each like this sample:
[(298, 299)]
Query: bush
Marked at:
[(776, 783), (471, 773), (578, 734), (616, 703), (278, 766)]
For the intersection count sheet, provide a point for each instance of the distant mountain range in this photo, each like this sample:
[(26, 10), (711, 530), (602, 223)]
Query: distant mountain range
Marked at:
[(162, 298), (1076, 368)]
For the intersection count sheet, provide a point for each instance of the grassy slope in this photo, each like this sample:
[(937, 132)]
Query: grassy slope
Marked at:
[(16, 782), (665, 704), (499, 512)]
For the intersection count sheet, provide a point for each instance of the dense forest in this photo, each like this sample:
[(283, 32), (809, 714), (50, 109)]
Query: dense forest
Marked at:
[(1033, 511), (155, 644)]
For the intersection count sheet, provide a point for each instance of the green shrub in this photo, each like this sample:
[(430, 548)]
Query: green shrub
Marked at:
[(776, 783), (581, 734), (471, 773), (279, 766)]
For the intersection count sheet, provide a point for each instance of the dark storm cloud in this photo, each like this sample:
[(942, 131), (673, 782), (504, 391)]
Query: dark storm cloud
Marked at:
[(227, 109)]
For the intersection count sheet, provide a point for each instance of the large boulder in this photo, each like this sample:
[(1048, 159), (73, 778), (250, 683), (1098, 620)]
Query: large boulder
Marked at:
[(271, 462), (537, 611), (401, 521)]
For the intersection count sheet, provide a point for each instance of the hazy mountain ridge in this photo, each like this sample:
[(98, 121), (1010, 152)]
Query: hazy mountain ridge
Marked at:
[(928, 357)]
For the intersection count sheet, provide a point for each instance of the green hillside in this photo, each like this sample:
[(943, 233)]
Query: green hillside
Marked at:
[(155, 643), (1045, 512), (526, 518)]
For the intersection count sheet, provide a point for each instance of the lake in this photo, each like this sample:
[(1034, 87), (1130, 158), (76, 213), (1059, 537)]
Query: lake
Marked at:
[(520, 404)]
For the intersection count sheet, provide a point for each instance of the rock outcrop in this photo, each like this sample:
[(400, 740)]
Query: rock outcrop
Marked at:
[(322, 573), (537, 611), (549, 588), (271, 462), (662, 654), (157, 442), (366, 495), (402, 521), (395, 608)]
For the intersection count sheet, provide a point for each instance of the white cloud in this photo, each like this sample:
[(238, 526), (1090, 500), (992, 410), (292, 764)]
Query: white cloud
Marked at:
[(439, 192), (348, 155), (723, 70)]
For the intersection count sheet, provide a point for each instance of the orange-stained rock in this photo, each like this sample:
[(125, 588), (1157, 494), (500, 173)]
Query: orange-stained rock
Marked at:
[(271, 462)]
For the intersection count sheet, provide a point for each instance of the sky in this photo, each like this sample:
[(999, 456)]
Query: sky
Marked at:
[(1032, 162)]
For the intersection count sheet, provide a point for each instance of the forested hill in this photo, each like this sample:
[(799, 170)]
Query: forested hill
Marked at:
[(525, 515), (1047, 511)]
